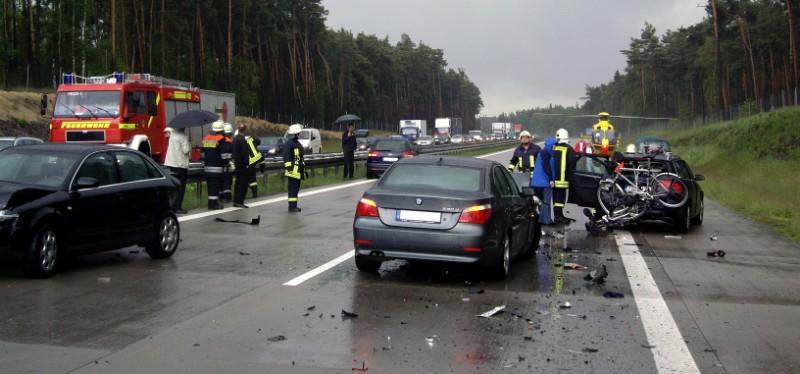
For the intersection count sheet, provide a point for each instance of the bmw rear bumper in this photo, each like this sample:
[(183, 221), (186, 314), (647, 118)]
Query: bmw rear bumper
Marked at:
[(382, 242)]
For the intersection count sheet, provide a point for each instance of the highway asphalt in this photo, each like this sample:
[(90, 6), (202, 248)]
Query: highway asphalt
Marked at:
[(269, 299)]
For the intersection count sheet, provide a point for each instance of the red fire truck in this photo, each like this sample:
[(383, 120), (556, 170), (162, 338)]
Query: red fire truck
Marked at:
[(131, 110)]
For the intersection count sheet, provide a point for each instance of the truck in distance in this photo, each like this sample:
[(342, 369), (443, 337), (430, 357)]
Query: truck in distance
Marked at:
[(446, 128), (412, 129)]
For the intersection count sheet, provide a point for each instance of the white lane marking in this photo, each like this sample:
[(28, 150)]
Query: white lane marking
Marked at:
[(345, 256), (321, 269), (670, 353), (274, 200)]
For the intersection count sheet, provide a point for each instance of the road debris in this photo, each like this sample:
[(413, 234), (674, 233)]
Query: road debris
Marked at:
[(277, 338), (104, 280), (362, 368), (714, 237), (613, 295), (311, 308), (243, 253), (492, 312), (589, 350), (598, 275), (476, 290), (718, 253), (346, 314), (253, 222), (673, 237), (574, 266), (565, 305), (431, 340)]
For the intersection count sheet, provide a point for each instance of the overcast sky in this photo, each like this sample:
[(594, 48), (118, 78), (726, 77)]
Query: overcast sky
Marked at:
[(520, 53)]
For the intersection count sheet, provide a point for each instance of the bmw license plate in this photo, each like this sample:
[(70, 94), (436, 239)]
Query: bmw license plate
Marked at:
[(390, 159), (418, 216)]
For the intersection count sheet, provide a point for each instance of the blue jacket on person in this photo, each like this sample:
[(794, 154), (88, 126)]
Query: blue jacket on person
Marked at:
[(543, 172)]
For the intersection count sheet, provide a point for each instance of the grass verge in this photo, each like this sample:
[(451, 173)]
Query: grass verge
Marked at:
[(751, 165)]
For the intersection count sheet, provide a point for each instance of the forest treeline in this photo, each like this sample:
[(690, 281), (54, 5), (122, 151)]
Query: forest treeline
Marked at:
[(277, 55), (740, 59)]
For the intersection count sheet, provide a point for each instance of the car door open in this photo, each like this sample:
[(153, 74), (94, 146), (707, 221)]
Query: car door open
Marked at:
[(585, 179)]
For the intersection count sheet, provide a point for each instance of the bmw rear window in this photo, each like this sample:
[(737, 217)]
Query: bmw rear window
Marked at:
[(392, 146), (438, 177)]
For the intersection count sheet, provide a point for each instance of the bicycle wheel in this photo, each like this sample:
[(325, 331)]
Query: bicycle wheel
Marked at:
[(669, 190), (619, 206)]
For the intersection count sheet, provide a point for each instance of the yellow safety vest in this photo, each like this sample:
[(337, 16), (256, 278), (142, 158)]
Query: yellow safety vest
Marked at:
[(255, 156), (293, 167), (561, 177)]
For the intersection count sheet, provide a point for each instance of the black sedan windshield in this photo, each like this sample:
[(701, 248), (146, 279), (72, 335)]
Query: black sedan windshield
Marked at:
[(45, 169), (392, 146), (6, 143), (439, 177)]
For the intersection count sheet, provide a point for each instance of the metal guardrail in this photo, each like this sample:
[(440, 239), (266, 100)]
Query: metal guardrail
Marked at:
[(274, 165)]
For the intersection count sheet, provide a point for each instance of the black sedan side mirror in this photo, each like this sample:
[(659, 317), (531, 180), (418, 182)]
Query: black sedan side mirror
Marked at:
[(527, 192), (86, 182), (699, 177)]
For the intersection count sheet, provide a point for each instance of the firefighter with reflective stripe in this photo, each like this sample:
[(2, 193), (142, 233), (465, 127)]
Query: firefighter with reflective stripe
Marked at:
[(252, 144), (213, 163), (228, 167), (564, 160), (524, 158), (294, 164)]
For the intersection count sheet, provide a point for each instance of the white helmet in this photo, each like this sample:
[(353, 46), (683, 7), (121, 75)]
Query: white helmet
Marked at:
[(631, 148), (525, 133), (228, 128), (295, 129), (562, 136), (218, 126)]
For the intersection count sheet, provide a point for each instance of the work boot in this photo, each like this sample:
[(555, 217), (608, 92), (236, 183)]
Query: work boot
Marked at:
[(254, 191), (241, 206)]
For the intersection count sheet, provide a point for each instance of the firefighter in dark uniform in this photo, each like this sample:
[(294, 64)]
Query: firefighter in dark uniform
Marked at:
[(524, 157), (294, 165), (228, 167), (213, 163), (253, 143), (564, 161)]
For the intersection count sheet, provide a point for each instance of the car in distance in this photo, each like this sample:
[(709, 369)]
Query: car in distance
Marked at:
[(271, 146), (60, 200), (10, 141), (458, 139), (362, 144), (446, 209), (424, 140), (310, 140), (652, 145), (385, 152), (591, 169)]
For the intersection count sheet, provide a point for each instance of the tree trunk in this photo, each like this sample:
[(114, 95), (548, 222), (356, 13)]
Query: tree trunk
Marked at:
[(229, 69), (113, 29), (717, 61), (792, 45), (164, 39), (744, 32)]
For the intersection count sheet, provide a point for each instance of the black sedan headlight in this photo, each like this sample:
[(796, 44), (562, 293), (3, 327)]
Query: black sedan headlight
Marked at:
[(8, 216)]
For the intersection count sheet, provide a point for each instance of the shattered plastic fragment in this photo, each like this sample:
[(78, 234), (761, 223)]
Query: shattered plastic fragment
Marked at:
[(613, 295), (431, 340), (346, 314), (714, 237), (589, 350), (673, 237), (565, 305), (491, 312), (719, 253), (574, 266), (278, 338), (597, 275), (104, 280)]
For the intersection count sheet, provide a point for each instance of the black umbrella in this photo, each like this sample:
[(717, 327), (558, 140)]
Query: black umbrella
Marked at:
[(192, 118), (348, 118)]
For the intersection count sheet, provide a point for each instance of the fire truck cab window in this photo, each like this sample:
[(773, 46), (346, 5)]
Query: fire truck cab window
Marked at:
[(152, 106), (135, 102)]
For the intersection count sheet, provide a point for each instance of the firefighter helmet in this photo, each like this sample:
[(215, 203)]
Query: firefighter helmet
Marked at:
[(228, 128), (295, 129), (631, 148), (218, 126), (525, 133), (562, 136)]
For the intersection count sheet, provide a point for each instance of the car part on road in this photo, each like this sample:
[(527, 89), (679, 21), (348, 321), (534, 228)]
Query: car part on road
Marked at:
[(277, 338), (565, 305), (253, 222), (613, 295), (574, 266), (346, 314), (673, 237), (598, 275), (718, 253), (492, 312)]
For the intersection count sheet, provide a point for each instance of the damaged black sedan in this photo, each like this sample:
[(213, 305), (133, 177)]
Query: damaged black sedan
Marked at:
[(63, 200)]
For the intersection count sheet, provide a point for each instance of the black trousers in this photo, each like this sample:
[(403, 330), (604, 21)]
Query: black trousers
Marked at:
[(214, 185), (349, 166), (294, 189), (242, 181), (181, 174), (227, 183), (251, 177), (559, 200)]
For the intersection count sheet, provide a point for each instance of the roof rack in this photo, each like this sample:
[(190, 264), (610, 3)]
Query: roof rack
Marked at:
[(120, 77)]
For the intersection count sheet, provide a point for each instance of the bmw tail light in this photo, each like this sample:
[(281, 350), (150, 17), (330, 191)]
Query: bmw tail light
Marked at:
[(374, 154), (408, 154), (478, 214), (671, 185), (367, 208)]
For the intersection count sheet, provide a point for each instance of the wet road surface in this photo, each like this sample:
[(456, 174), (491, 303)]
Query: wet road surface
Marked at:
[(220, 304)]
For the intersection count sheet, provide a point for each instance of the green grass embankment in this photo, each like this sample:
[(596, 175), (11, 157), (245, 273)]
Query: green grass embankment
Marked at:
[(751, 165)]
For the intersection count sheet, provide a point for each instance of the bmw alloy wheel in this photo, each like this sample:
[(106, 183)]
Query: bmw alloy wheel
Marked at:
[(48, 250), (168, 234)]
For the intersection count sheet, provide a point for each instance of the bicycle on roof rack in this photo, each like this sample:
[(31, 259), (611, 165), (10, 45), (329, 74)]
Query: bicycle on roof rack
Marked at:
[(630, 191)]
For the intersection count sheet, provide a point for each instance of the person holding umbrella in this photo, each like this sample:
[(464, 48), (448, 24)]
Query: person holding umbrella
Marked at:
[(177, 160), (349, 149)]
